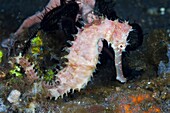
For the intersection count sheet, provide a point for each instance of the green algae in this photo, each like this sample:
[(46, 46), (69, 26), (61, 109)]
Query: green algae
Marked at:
[(49, 75), (1, 55), (16, 71)]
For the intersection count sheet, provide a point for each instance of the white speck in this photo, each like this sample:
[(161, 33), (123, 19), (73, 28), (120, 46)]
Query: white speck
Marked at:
[(149, 82), (79, 102), (162, 10)]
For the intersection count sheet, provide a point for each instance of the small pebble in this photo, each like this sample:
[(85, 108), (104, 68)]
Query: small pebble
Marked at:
[(3, 108), (118, 89), (14, 96)]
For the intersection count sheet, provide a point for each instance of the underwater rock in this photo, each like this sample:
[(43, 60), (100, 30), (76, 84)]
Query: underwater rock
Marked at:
[(146, 59), (14, 96), (168, 64), (2, 106), (161, 68)]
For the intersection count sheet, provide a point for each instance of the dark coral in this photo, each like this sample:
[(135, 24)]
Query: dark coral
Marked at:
[(61, 18)]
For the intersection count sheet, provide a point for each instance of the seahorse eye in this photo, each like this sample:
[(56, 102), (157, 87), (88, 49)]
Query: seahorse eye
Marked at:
[(121, 46)]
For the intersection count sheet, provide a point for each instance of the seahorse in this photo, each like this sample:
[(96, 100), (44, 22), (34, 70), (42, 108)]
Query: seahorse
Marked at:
[(84, 54)]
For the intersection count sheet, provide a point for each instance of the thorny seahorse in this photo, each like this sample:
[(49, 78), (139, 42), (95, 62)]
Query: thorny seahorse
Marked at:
[(84, 53)]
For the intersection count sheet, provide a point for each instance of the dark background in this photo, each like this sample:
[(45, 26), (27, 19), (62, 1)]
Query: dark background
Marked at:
[(147, 13)]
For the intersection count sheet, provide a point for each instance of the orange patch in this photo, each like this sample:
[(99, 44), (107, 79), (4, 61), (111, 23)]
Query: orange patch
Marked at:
[(133, 104), (153, 109), (138, 99)]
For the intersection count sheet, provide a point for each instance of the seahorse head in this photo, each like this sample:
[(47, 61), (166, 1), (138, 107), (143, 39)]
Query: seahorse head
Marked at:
[(117, 34)]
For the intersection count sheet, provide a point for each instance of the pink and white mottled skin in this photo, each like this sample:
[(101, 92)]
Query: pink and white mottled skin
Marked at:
[(84, 54), (86, 6)]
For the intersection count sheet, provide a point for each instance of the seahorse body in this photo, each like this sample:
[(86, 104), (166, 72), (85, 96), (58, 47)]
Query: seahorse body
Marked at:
[(84, 53)]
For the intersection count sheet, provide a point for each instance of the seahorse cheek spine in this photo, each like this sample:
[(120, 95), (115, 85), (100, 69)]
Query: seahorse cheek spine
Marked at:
[(84, 53)]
